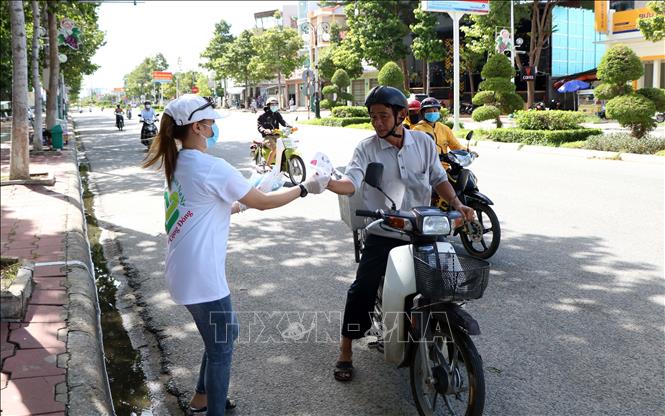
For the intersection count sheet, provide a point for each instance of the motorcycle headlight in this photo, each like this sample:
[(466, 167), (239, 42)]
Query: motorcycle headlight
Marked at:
[(436, 225)]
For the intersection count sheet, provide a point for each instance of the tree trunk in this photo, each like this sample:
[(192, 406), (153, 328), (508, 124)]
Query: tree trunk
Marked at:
[(280, 98), (428, 78), (499, 124), (54, 69), (19, 160), (405, 71), (37, 137), (471, 88)]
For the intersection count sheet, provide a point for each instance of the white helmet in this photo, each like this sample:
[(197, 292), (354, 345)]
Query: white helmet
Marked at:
[(272, 99)]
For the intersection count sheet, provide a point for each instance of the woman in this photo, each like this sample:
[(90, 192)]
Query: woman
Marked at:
[(202, 191)]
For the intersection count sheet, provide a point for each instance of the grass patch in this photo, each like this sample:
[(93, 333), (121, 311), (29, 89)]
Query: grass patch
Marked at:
[(660, 153), (574, 145), (8, 271), (365, 126), (625, 143)]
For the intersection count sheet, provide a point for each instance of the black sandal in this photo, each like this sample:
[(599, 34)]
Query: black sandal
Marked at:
[(343, 371), (230, 405)]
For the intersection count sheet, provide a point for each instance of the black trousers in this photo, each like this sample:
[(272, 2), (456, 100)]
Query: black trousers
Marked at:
[(362, 294)]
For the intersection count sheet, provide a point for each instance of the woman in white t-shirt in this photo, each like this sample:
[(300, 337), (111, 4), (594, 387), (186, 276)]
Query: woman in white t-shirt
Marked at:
[(202, 191)]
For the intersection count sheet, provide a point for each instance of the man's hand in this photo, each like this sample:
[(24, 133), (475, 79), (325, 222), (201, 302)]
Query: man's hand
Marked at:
[(468, 213), (316, 184)]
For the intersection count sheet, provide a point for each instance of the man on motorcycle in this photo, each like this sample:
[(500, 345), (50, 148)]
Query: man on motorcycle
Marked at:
[(411, 169), (414, 114), (147, 114), (270, 120)]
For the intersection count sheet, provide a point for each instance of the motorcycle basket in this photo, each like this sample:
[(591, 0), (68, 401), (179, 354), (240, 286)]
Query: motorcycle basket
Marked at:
[(456, 278)]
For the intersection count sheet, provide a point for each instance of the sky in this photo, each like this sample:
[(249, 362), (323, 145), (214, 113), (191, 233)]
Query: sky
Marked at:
[(174, 28)]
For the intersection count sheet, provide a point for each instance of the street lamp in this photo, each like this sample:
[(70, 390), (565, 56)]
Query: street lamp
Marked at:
[(323, 28)]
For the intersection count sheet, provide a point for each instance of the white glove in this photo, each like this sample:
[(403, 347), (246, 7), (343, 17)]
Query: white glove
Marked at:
[(316, 183)]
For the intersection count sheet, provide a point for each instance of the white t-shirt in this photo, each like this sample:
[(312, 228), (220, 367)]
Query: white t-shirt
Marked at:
[(198, 210)]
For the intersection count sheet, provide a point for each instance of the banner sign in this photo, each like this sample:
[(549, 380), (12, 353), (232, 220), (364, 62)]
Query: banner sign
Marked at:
[(601, 9), (69, 34), (160, 76), (626, 21), (529, 73), (502, 42), (464, 6)]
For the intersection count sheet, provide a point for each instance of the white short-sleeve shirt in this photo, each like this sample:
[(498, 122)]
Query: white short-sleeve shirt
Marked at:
[(198, 211)]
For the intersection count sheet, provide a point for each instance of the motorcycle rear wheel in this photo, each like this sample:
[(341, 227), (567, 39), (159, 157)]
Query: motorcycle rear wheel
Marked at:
[(296, 170), (455, 358), (481, 249)]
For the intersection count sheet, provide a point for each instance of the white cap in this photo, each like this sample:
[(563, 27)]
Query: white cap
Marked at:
[(183, 110)]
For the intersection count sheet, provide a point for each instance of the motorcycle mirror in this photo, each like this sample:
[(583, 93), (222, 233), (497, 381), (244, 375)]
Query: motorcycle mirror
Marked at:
[(469, 135), (374, 174)]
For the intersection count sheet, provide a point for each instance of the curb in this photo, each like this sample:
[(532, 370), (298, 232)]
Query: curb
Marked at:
[(87, 382), (589, 154)]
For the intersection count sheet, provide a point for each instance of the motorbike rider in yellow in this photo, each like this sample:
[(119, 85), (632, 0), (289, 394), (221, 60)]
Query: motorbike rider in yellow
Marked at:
[(443, 136)]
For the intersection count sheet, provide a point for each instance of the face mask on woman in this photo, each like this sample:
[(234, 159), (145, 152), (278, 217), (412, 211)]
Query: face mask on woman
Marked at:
[(274, 108), (210, 141), (432, 117)]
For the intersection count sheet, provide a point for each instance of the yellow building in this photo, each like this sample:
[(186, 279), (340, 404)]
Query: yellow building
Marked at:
[(618, 20)]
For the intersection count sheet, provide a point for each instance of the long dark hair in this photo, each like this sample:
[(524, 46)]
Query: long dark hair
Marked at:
[(164, 149)]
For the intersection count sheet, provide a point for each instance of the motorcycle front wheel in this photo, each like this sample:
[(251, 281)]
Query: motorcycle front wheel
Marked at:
[(447, 374), (296, 170), (485, 237)]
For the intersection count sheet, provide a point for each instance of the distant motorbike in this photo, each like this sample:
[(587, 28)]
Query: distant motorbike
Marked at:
[(149, 130), (119, 121), (467, 108), (291, 163)]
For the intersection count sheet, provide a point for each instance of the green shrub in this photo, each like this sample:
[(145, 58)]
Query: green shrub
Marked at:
[(625, 143), (336, 121), (540, 137), (328, 90), (620, 65), (607, 91), (341, 79), (450, 124), (497, 66), (326, 103), (660, 153), (345, 111), (486, 112), (445, 113), (548, 120), (483, 97), (633, 111), (391, 75), (574, 145), (657, 95)]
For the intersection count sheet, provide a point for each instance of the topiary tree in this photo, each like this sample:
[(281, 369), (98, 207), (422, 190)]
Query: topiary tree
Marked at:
[(497, 93), (336, 94), (390, 75), (618, 66), (634, 111)]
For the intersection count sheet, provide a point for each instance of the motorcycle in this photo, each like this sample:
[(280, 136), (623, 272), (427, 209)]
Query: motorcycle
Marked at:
[(119, 121), (467, 108), (148, 130), (418, 320), (290, 160), (480, 237)]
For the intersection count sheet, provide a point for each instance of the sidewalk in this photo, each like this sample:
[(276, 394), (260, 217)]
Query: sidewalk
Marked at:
[(52, 360)]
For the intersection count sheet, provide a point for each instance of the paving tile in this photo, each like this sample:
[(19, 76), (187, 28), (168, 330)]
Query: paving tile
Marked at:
[(17, 245), (39, 362), (48, 297), (4, 331), (31, 396), (41, 271), (24, 253), (7, 349), (49, 283), (45, 313), (37, 335)]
